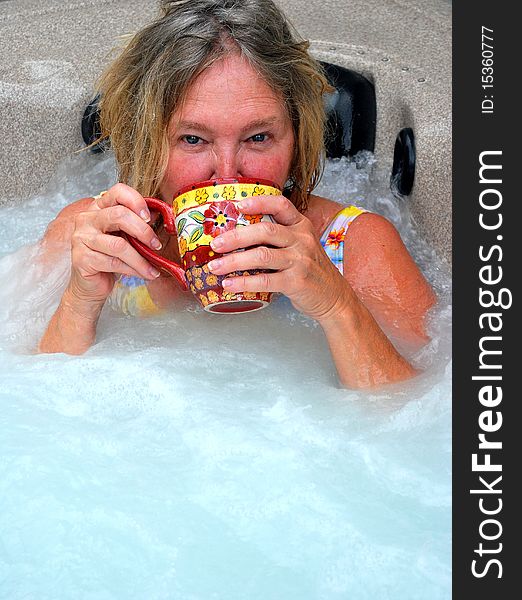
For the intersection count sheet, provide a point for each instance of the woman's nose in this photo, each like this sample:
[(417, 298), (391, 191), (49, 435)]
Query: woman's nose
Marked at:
[(227, 163)]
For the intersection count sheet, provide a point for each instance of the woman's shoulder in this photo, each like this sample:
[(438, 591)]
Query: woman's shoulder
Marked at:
[(61, 227), (75, 207), (369, 239), (377, 258)]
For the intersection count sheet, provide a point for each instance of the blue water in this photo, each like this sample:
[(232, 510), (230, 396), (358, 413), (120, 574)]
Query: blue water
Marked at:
[(190, 456)]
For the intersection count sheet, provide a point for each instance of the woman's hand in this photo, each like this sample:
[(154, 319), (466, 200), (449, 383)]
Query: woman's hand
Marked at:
[(289, 247), (97, 254)]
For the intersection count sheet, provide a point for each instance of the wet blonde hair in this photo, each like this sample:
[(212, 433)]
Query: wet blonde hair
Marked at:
[(146, 83)]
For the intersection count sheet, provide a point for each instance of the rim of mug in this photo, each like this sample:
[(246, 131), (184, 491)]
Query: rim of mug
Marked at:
[(255, 305), (225, 181)]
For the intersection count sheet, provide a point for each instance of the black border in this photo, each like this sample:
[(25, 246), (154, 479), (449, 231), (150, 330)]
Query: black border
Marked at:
[(473, 133)]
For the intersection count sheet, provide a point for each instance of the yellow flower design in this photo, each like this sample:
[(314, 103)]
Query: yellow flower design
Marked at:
[(183, 246), (258, 191), (212, 280), (213, 297), (229, 193), (198, 283), (201, 196)]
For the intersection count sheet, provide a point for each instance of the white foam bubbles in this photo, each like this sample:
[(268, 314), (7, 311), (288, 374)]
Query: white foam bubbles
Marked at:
[(200, 456)]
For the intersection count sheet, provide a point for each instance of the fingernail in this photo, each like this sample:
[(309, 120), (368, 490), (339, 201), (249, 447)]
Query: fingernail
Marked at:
[(217, 243), (244, 204), (155, 243), (215, 264), (154, 272), (227, 283), (145, 215)]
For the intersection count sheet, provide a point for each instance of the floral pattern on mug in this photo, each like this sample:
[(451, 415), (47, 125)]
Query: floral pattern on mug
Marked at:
[(220, 217), (212, 296), (258, 191), (229, 192), (253, 218), (183, 246), (201, 196)]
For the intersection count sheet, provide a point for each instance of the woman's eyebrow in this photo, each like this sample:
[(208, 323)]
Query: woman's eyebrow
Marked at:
[(192, 126), (260, 124), (256, 124)]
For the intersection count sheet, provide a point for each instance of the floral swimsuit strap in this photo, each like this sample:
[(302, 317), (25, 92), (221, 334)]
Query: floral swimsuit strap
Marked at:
[(333, 237), (131, 296)]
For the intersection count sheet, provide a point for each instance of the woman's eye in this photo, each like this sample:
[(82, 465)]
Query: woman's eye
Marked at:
[(191, 139), (259, 137)]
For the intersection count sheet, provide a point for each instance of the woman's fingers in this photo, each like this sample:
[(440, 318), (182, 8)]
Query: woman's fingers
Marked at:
[(279, 207), (110, 253), (102, 263), (287, 252), (120, 218), (260, 257), (256, 234), (95, 250), (117, 218), (287, 248), (97, 255), (126, 196), (261, 282), (282, 233)]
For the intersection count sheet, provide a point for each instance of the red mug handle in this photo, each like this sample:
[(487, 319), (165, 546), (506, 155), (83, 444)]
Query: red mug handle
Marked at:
[(159, 261)]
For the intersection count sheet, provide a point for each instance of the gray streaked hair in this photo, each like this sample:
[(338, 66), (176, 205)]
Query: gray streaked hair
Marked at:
[(145, 84)]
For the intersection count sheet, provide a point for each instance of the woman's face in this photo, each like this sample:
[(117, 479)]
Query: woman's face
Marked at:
[(230, 124)]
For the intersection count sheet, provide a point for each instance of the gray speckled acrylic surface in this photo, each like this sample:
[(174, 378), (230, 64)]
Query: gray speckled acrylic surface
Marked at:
[(52, 52), (50, 56)]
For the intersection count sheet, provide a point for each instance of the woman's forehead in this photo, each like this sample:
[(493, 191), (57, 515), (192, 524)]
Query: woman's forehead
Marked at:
[(229, 90)]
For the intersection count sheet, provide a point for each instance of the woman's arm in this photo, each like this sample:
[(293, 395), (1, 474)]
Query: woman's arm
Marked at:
[(72, 328), (385, 290), (364, 357), (67, 331), (387, 280)]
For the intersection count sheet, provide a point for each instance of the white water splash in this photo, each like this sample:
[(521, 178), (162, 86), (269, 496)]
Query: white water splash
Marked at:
[(194, 456)]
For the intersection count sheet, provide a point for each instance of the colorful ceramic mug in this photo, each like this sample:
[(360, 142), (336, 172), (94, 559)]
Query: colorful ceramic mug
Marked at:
[(201, 212)]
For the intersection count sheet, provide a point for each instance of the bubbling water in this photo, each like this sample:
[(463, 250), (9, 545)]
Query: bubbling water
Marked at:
[(191, 455)]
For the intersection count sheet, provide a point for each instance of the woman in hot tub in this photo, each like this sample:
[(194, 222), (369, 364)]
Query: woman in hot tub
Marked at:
[(225, 88)]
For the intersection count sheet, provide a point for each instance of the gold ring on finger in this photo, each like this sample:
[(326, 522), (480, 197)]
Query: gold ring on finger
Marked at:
[(98, 196)]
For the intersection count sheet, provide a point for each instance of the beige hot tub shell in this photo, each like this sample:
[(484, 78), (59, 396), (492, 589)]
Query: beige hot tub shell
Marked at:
[(51, 54)]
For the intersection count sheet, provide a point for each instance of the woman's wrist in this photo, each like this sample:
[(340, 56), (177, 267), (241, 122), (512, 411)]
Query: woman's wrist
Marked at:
[(72, 328), (362, 353), (342, 306), (83, 310)]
